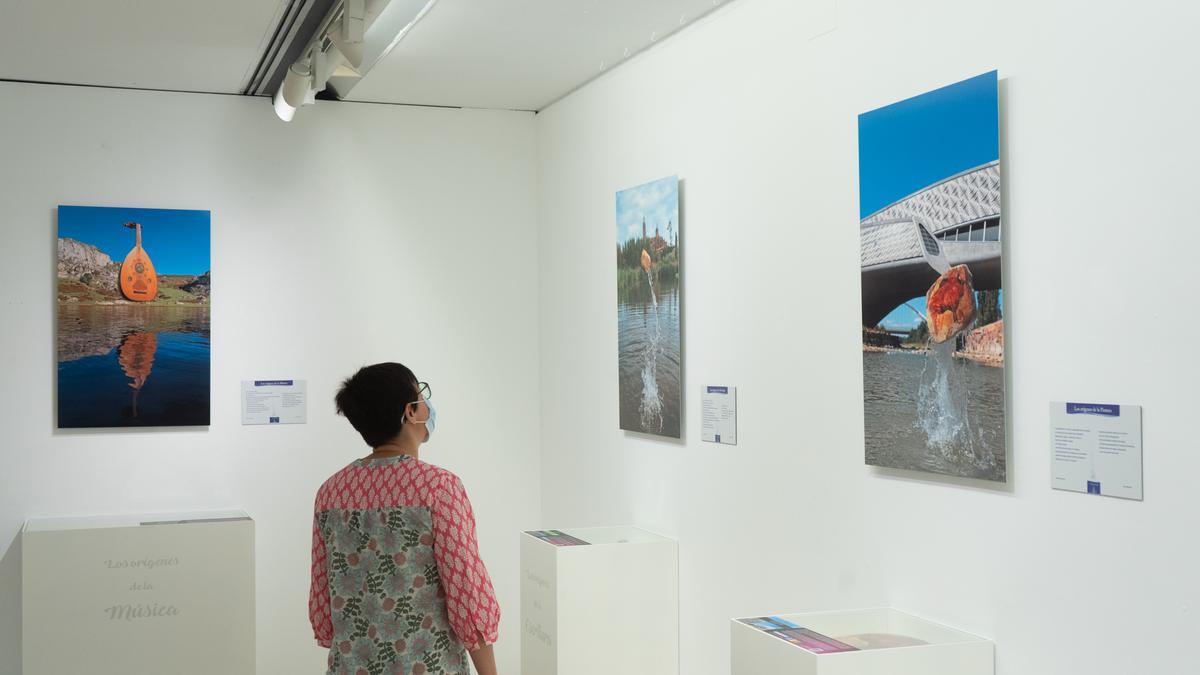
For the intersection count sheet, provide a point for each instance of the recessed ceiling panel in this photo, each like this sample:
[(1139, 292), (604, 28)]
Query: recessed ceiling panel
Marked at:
[(207, 45), (519, 54)]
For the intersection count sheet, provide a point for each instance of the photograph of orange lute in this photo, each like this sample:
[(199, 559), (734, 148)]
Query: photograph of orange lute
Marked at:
[(138, 280)]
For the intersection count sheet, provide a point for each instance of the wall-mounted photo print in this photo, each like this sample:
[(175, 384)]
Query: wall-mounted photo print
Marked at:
[(932, 297), (134, 307), (648, 308)]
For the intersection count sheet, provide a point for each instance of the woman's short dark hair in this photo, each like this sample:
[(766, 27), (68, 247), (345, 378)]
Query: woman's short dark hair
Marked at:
[(374, 398)]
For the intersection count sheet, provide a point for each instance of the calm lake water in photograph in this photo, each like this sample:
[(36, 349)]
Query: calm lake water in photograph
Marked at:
[(133, 366), (927, 411), (649, 362)]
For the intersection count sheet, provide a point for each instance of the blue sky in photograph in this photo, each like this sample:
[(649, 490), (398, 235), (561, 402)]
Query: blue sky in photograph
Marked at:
[(903, 318), (910, 145), (177, 241), (658, 202)]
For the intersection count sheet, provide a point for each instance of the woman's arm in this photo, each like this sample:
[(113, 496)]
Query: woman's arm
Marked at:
[(483, 657), (318, 595), (471, 604)]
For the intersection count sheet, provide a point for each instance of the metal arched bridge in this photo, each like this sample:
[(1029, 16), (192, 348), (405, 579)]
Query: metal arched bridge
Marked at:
[(955, 221)]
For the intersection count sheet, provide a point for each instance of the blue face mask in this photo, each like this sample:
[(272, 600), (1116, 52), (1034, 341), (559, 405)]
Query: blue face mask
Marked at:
[(429, 422), (432, 421)]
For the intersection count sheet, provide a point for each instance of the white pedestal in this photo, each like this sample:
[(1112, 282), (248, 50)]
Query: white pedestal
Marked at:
[(608, 608), (134, 595), (946, 651)]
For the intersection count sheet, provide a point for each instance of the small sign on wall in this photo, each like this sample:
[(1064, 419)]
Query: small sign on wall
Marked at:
[(274, 402), (719, 415), (1097, 448)]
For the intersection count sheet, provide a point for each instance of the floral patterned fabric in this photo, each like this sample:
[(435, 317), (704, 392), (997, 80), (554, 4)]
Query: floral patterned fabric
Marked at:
[(397, 582)]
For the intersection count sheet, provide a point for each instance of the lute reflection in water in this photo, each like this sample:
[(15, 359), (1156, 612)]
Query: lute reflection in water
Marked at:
[(136, 356)]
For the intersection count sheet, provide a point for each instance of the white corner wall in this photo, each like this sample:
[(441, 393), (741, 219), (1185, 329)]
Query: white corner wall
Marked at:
[(356, 234), (755, 109)]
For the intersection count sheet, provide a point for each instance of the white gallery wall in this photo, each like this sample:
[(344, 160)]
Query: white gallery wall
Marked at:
[(755, 109), (356, 234)]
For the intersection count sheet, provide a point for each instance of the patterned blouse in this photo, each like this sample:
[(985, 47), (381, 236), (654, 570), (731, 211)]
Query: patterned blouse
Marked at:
[(397, 583)]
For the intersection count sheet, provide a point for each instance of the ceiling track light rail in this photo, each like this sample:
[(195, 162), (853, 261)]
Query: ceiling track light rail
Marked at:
[(323, 48)]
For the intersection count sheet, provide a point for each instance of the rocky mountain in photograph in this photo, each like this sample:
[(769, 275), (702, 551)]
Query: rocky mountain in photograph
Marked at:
[(87, 264), (199, 286)]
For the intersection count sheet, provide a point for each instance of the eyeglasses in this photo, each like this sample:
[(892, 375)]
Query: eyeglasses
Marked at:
[(423, 394)]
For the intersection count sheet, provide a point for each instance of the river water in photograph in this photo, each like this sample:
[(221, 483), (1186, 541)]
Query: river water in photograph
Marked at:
[(133, 365), (648, 357), (930, 411)]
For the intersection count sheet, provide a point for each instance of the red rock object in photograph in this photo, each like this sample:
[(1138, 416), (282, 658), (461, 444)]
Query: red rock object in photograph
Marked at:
[(950, 303)]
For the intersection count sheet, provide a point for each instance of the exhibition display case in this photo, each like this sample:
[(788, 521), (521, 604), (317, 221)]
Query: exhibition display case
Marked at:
[(599, 601), (861, 642), (114, 595)]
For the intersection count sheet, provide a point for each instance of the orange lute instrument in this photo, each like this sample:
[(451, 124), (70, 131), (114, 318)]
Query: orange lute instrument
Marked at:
[(138, 279)]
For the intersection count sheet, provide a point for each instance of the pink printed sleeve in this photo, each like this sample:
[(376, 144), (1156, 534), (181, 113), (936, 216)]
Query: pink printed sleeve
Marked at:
[(318, 596), (470, 599)]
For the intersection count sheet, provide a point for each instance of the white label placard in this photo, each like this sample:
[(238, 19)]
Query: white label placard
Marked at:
[(718, 414), (274, 402), (1097, 448)]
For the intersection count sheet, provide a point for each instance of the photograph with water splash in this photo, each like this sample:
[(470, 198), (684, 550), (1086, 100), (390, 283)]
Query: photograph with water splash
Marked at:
[(648, 310), (133, 317), (932, 298)]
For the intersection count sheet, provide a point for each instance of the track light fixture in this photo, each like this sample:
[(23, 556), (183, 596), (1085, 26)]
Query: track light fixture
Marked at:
[(296, 90), (337, 53)]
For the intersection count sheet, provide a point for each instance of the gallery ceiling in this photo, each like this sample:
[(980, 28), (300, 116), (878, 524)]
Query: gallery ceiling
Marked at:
[(153, 44), (508, 54)]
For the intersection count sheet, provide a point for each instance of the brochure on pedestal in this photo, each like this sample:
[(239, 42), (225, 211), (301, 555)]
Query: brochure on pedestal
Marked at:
[(798, 635), (557, 537), (116, 595), (599, 601), (860, 642)]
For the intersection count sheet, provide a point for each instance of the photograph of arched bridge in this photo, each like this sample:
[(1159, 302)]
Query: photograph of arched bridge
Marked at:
[(931, 236)]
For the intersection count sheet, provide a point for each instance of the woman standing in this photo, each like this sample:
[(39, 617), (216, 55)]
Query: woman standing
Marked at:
[(398, 586)]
